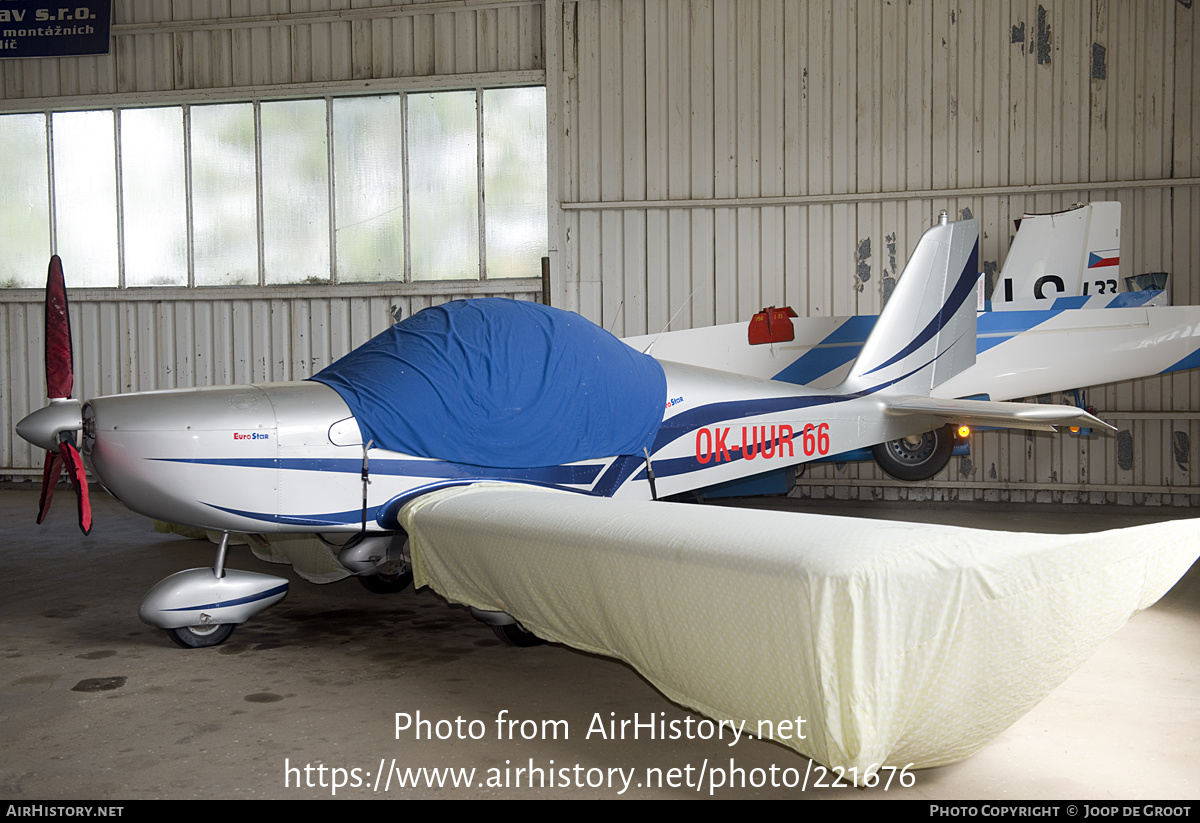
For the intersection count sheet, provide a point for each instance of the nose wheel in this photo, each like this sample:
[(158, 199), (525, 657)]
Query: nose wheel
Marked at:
[(201, 637), (199, 608)]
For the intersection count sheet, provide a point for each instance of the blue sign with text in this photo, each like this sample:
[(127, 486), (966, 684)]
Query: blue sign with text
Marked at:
[(54, 28)]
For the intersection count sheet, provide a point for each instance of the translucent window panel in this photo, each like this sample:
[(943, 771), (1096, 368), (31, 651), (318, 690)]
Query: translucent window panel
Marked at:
[(514, 181), (153, 197), (24, 201), (295, 175), (85, 196), (368, 178), (224, 196), (443, 173)]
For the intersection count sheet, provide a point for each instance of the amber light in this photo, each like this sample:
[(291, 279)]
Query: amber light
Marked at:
[(964, 432)]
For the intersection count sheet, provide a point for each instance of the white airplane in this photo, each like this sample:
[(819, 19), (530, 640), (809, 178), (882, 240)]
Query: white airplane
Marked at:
[(493, 390)]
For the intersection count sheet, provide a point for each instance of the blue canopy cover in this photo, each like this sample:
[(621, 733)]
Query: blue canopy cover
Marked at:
[(501, 383)]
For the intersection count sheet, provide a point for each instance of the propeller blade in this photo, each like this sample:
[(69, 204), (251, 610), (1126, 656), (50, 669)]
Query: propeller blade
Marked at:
[(51, 470), (59, 373), (60, 380), (74, 465)]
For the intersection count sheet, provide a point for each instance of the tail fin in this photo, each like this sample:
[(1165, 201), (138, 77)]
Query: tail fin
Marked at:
[(1061, 255), (926, 332)]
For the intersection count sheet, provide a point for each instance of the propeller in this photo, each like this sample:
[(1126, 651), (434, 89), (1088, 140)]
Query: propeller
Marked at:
[(54, 427)]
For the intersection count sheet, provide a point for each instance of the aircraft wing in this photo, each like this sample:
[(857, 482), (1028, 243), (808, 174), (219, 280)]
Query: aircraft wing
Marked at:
[(856, 642), (1005, 415), (1019, 353)]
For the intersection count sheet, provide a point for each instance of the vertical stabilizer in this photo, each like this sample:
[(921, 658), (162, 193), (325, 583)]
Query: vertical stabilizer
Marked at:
[(926, 333), (1070, 253)]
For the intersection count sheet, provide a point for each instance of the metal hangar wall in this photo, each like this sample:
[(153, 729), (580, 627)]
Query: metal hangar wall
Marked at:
[(706, 157)]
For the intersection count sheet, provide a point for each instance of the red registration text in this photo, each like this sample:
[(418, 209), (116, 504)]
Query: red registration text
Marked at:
[(716, 445)]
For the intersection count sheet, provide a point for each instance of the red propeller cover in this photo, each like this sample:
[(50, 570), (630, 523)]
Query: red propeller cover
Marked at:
[(74, 465), (59, 376)]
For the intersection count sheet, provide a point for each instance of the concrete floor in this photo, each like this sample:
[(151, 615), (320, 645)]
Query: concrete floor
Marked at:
[(96, 705)]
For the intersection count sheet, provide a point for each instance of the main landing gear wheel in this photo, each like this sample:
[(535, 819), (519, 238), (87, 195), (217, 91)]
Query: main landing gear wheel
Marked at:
[(916, 458), (387, 583), (511, 634), (201, 637)]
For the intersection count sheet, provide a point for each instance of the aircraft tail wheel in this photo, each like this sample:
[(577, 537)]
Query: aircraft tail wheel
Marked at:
[(916, 458), (201, 637), (511, 634), (386, 583), (505, 627)]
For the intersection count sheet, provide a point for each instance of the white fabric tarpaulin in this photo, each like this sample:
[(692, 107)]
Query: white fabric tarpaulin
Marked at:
[(898, 643)]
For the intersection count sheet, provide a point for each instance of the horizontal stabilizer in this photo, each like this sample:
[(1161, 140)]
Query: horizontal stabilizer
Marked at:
[(1039, 416)]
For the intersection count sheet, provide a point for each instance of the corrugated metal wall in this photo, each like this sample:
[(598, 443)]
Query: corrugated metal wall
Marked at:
[(718, 156), (135, 340), (176, 51)]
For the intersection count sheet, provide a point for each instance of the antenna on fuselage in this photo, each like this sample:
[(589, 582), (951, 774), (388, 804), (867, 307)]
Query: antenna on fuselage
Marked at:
[(682, 305), (616, 314)]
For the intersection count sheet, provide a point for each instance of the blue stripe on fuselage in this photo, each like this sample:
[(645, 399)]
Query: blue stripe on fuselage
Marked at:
[(1132, 299), (840, 347), (1192, 361), (315, 520), (1076, 302), (845, 343), (555, 475), (685, 423)]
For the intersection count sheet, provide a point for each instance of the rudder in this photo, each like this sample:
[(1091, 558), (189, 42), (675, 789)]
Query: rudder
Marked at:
[(926, 332)]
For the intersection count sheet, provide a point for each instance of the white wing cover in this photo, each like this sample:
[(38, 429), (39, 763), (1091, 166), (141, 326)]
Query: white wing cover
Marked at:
[(897, 643)]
